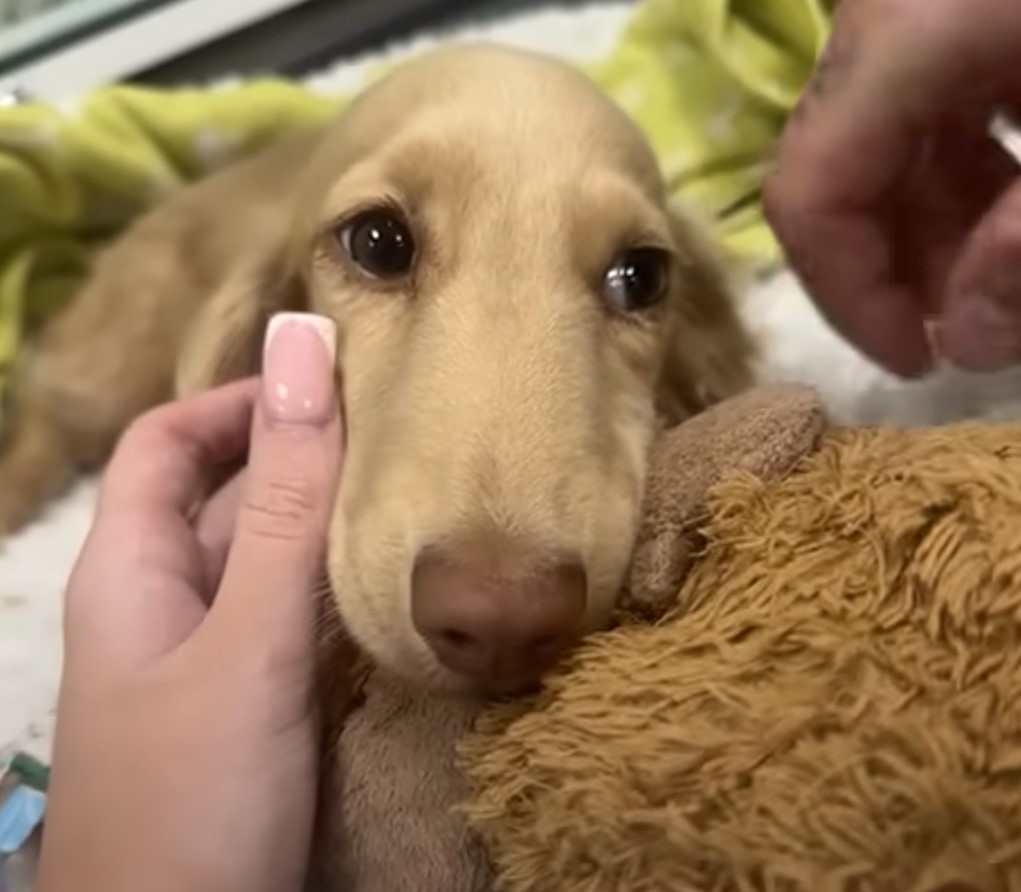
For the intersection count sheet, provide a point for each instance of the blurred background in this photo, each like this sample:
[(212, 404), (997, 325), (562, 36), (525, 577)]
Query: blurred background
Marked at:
[(60, 47)]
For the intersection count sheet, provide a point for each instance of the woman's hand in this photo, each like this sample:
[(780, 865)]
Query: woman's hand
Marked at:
[(899, 212), (185, 756)]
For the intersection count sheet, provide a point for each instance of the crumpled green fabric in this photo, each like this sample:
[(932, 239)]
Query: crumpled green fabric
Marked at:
[(710, 81), (73, 176)]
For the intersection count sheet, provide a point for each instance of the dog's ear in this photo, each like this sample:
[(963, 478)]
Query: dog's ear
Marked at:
[(710, 354), (225, 340)]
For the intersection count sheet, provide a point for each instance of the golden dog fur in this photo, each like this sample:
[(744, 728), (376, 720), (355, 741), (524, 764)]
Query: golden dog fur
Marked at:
[(493, 402)]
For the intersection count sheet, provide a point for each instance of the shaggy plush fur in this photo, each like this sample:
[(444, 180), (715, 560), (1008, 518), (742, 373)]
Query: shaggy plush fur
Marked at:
[(832, 705), (391, 818)]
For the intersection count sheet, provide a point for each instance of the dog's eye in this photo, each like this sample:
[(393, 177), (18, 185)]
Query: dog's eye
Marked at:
[(379, 243), (636, 281)]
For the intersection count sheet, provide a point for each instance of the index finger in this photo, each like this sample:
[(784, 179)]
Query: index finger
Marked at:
[(165, 458), (279, 542), (136, 588), (891, 69)]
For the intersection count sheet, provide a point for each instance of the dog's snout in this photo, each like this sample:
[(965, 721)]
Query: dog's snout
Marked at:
[(502, 630)]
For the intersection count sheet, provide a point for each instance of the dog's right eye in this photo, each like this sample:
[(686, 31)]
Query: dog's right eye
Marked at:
[(636, 280), (379, 243)]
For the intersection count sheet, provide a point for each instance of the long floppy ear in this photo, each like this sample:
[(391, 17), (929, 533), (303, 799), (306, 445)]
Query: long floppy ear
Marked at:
[(710, 356), (225, 340)]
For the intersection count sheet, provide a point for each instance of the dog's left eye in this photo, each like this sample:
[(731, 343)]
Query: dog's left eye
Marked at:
[(637, 280), (379, 243)]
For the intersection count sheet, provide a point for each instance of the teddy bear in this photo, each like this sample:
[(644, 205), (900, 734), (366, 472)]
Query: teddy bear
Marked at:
[(391, 814), (812, 684), (831, 701)]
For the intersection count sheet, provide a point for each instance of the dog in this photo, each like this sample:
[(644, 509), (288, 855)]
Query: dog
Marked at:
[(518, 310)]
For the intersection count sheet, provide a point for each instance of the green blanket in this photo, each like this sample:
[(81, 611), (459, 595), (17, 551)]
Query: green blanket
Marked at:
[(710, 81)]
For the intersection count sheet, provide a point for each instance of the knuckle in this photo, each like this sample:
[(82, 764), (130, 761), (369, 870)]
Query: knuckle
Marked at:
[(149, 426), (282, 508), (157, 429), (143, 439), (153, 438)]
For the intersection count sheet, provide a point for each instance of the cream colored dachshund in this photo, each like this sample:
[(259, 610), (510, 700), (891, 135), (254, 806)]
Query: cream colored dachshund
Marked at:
[(518, 313)]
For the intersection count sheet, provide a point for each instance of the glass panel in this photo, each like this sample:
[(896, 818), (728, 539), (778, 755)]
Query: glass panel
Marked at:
[(31, 28)]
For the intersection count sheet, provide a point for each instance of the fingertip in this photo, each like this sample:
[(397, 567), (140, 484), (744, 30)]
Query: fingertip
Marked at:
[(982, 328), (299, 355), (875, 316), (885, 325), (982, 334), (842, 257)]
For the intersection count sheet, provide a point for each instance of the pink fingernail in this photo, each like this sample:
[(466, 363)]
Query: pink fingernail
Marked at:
[(297, 369)]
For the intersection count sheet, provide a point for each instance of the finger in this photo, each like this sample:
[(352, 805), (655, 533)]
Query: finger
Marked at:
[(265, 598), (890, 72), (948, 190), (982, 329), (842, 151), (215, 525), (135, 592), (164, 461)]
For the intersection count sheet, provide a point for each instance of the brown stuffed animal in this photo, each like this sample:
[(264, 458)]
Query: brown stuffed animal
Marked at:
[(833, 705), (390, 820)]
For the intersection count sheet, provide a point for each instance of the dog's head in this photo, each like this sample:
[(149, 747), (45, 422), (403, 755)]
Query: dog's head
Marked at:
[(517, 311)]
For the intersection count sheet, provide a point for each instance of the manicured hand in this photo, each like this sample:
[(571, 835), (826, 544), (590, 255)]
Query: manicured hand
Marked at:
[(185, 756)]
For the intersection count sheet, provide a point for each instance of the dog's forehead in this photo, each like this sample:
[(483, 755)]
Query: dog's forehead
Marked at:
[(484, 75), (478, 103)]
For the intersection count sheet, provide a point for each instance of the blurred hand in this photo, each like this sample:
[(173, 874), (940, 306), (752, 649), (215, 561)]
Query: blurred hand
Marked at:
[(186, 743), (895, 206)]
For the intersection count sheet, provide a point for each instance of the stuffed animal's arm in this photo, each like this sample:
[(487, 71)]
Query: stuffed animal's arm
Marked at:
[(764, 432)]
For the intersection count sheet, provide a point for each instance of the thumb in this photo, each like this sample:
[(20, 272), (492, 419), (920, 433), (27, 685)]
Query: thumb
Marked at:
[(276, 557), (981, 329)]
